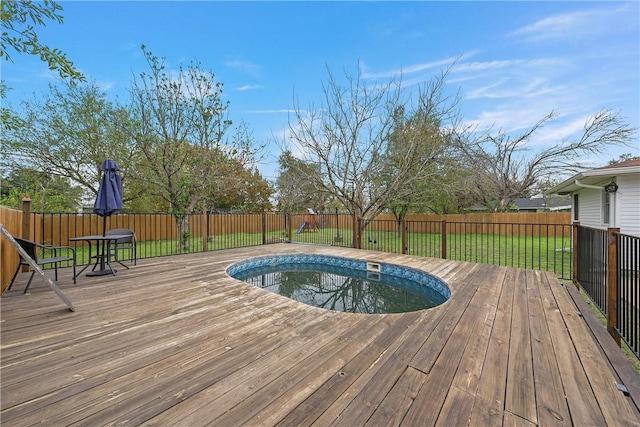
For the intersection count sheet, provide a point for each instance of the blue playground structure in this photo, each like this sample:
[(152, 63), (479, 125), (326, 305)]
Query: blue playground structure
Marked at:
[(309, 223)]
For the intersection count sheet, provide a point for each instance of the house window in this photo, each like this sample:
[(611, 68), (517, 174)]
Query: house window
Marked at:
[(575, 207), (606, 207)]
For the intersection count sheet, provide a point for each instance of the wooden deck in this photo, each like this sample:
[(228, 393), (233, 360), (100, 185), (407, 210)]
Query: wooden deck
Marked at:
[(175, 341)]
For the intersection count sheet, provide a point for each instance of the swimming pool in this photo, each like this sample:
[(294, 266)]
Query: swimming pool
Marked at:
[(344, 284)]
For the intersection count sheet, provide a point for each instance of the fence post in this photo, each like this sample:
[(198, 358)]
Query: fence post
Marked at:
[(612, 283), (289, 226), (26, 223), (405, 249), (443, 239), (574, 252)]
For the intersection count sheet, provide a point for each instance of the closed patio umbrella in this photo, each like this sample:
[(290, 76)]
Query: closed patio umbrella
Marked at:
[(109, 198), (108, 201)]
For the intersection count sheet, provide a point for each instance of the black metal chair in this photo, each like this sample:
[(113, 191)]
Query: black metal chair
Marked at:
[(123, 244), (54, 255)]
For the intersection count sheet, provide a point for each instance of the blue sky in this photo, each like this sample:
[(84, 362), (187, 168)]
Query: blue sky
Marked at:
[(517, 60)]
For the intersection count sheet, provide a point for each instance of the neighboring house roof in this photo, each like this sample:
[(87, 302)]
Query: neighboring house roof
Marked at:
[(536, 203), (596, 176), (550, 203), (528, 204)]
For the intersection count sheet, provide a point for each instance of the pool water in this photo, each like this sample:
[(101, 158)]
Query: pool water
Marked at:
[(340, 288)]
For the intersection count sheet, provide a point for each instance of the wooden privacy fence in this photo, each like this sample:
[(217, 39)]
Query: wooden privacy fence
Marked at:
[(505, 224)]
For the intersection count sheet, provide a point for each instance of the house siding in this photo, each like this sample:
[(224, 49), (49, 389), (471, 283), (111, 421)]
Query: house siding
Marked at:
[(590, 208), (628, 204)]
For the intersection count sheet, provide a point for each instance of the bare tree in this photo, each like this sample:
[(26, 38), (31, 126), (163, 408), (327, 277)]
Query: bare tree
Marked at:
[(506, 167), (181, 131), (347, 138), (368, 152)]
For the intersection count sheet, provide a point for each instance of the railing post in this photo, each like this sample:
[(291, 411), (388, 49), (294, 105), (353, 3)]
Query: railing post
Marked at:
[(355, 223), (574, 252), (443, 239), (612, 283), (205, 235), (26, 223), (264, 227), (405, 249)]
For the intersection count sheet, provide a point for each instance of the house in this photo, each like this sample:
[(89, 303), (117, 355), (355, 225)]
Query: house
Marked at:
[(605, 197), (552, 203)]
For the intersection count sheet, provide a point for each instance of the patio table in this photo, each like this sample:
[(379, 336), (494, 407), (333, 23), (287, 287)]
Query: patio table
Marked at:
[(102, 259)]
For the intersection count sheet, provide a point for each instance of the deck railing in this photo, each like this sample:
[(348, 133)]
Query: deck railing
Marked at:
[(591, 273), (628, 290), (541, 246), (608, 271), (534, 246)]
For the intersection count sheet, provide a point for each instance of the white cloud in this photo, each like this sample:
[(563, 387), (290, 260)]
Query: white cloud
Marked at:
[(506, 118), (529, 87), (477, 66), (561, 129), (106, 86), (287, 111), (574, 25), (243, 66), (405, 71), (248, 87)]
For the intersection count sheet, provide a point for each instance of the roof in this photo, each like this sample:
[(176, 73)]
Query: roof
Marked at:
[(628, 163), (548, 203), (596, 177), (543, 202), (536, 203)]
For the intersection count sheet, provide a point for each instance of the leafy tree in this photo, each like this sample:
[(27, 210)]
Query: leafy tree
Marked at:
[(447, 190), (181, 130), (506, 167), (623, 158), (48, 193), (418, 148), (19, 20), (242, 190), (68, 133), (295, 192)]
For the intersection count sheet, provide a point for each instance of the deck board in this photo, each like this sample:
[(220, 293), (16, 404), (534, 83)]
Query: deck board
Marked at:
[(551, 404), (583, 405), (441, 363), (520, 397), (175, 341)]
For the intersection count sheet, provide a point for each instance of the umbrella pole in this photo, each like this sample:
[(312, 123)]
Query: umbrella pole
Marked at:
[(104, 233), (101, 254)]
